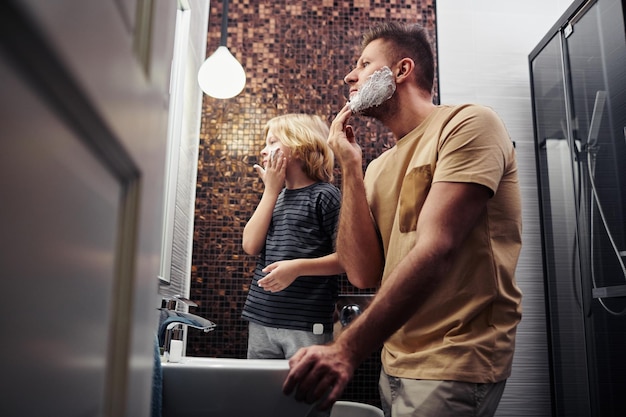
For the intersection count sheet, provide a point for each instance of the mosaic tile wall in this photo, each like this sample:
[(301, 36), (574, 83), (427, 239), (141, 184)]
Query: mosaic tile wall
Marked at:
[(295, 57)]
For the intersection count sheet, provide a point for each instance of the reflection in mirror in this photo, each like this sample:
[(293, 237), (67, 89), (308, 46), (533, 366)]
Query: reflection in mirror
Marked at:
[(182, 152)]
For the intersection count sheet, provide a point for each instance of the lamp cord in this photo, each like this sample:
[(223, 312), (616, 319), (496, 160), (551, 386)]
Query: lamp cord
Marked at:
[(224, 33)]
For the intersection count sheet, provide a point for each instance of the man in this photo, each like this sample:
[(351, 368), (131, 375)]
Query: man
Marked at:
[(437, 223)]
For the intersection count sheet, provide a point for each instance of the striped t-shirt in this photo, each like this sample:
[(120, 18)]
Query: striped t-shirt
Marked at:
[(304, 223)]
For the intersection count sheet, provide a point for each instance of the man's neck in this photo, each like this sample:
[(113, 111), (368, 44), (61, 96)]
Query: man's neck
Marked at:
[(408, 118), (409, 109)]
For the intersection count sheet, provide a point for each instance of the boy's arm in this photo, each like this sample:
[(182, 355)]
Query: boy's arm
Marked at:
[(282, 273), (256, 229), (273, 177)]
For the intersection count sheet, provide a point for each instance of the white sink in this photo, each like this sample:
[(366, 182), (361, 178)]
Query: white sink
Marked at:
[(218, 387), (352, 409)]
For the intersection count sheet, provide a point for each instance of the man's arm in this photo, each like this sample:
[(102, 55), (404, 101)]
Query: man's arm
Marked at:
[(450, 212), (358, 245)]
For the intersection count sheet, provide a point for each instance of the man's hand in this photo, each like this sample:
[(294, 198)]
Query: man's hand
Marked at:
[(342, 141), (319, 370)]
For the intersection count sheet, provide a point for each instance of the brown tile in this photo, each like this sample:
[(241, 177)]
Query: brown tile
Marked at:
[(295, 57)]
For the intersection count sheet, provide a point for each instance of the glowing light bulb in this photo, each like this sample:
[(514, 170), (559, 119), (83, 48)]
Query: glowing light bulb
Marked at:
[(221, 75)]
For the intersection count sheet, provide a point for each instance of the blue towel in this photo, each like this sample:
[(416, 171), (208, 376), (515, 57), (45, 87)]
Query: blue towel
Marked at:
[(157, 381)]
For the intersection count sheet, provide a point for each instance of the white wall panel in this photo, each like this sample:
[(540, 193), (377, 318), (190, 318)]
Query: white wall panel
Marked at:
[(483, 48)]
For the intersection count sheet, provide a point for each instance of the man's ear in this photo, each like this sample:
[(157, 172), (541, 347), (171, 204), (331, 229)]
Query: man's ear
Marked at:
[(404, 69)]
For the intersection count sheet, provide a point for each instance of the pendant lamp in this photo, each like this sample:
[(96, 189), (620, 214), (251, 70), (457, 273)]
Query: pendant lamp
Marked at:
[(221, 75)]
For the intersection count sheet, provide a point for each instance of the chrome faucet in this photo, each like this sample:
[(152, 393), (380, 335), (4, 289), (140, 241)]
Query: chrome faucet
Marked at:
[(171, 322)]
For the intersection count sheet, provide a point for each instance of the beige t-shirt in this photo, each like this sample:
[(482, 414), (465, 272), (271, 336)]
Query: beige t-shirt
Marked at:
[(466, 330)]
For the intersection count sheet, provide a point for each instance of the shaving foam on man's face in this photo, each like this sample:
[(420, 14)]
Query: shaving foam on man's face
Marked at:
[(378, 88)]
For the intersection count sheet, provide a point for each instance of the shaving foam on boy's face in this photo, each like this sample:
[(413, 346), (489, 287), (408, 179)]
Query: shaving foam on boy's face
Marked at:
[(378, 88)]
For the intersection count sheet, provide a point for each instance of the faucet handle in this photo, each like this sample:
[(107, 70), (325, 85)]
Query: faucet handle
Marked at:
[(171, 302), (348, 313)]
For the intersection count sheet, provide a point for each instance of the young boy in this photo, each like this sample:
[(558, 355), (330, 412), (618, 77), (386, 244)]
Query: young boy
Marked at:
[(293, 292)]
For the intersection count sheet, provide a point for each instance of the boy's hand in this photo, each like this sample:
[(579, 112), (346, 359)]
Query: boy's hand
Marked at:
[(280, 275), (273, 175)]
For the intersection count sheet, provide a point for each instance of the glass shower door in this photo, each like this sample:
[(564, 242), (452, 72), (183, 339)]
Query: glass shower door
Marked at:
[(596, 59), (557, 178), (579, 107)]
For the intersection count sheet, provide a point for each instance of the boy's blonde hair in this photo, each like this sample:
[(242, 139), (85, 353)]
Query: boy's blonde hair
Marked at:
[(305, 135)]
